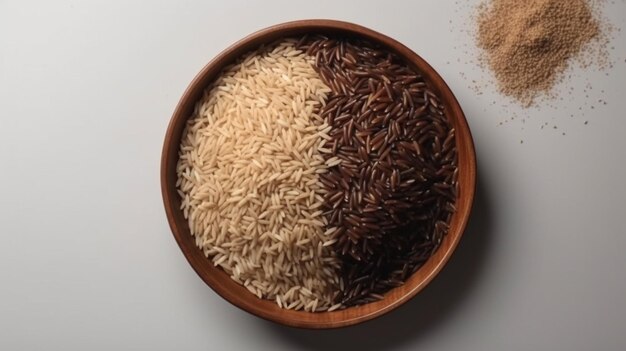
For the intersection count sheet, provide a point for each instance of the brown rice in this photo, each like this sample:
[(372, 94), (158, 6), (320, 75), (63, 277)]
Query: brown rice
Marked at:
[(249, 171)]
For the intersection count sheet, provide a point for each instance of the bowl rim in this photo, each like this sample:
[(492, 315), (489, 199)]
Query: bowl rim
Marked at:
[(351, 315)]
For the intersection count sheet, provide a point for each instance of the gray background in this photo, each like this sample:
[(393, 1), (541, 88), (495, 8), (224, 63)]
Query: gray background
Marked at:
[(87, 261)]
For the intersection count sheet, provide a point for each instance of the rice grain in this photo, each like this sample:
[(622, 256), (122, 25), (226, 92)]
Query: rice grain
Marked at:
[(249, 167)]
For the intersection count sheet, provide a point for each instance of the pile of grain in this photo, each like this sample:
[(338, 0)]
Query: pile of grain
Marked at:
[(319, 173), (249, 178), (528, 44), (391, 198)]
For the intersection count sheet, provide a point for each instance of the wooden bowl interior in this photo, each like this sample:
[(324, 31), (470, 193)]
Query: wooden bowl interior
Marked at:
[(217, 279)]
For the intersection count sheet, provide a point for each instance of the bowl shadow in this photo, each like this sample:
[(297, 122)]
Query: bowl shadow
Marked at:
[(427, 311)]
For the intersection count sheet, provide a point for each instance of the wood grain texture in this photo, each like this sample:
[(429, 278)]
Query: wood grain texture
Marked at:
[(236, 294)]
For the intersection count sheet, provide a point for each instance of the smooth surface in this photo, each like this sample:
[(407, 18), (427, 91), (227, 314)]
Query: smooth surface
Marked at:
[(87, 260), (235, 293)]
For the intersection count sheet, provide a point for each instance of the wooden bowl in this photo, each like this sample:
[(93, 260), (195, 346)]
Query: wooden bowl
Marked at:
[(236, 294)]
